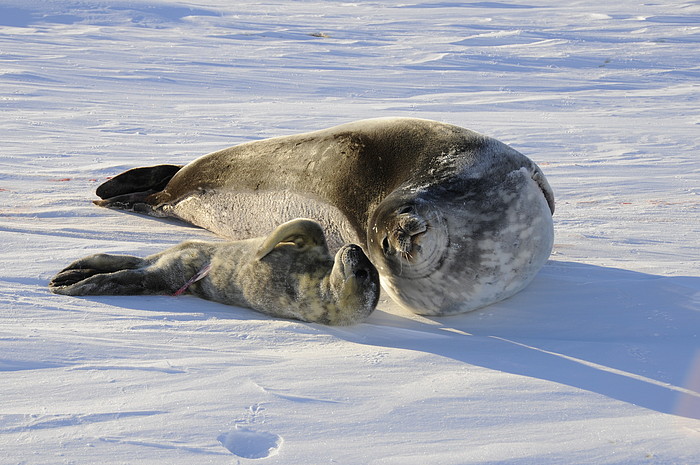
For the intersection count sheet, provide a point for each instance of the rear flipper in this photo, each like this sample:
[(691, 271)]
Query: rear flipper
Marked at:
[(131, 189), (136, 202), (124, 282), (150, 178), (101, 274)]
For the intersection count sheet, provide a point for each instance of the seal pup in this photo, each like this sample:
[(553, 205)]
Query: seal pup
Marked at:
[(453, 220), (289, 274)]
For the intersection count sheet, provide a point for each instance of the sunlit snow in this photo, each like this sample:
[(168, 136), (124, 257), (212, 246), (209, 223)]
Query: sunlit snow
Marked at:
[(596, 362)]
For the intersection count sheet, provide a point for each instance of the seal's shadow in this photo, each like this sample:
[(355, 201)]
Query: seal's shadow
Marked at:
[(626, 335)]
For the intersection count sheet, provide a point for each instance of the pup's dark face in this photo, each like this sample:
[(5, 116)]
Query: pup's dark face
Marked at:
[(355, 283)]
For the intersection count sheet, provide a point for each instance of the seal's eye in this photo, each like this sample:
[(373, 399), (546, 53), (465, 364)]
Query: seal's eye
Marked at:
[(406, 209)]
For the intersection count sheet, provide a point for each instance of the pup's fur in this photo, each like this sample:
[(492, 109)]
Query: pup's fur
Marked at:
[(289, 274)]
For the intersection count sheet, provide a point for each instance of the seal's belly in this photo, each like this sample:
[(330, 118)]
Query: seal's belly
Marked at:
[(511, 256), (241, 215)]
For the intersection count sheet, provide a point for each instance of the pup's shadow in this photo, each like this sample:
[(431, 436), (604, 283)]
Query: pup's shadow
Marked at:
[(626, 335)]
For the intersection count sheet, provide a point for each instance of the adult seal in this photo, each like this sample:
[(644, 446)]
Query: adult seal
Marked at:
[(452, 219)]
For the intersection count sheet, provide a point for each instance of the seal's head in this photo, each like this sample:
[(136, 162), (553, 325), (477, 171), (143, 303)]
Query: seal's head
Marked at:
[(453, 248), (294, 271), (408, 240)]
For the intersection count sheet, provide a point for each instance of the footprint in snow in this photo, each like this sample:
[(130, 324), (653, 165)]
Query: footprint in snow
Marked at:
[(250, 444)]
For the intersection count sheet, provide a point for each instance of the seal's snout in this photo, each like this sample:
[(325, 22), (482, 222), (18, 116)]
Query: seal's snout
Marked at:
[(356, 283), (355, 264), (404, 236)]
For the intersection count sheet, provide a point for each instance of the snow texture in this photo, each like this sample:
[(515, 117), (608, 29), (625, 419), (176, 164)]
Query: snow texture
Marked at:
[(596, 362)]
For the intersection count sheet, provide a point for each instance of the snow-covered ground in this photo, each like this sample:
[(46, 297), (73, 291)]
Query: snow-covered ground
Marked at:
[(597, 362)]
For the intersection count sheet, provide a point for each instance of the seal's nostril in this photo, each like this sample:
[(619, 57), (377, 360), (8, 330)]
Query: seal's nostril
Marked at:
[(361, 274), (385, 246)]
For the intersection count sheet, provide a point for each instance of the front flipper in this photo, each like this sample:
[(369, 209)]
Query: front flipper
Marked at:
[(541, 181)]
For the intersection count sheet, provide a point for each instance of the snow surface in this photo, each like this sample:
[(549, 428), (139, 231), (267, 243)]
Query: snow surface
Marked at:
[(597, 362)]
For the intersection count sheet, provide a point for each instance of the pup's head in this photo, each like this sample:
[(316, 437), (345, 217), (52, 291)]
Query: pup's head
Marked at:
[(307, 283)]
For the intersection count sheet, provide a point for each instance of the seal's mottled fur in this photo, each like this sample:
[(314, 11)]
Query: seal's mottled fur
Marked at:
[(452, 219), (288, 274)]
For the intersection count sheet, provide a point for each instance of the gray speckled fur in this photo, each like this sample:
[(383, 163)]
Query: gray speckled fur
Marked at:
[(294, 276), (452, 219)]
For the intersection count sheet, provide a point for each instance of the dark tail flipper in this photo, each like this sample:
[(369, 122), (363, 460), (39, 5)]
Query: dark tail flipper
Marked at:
[(102, 274), (129, 190), (151, 178)]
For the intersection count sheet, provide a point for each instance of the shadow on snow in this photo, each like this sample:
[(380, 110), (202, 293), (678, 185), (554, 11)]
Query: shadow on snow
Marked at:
[(622, 334), (626, 335)]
